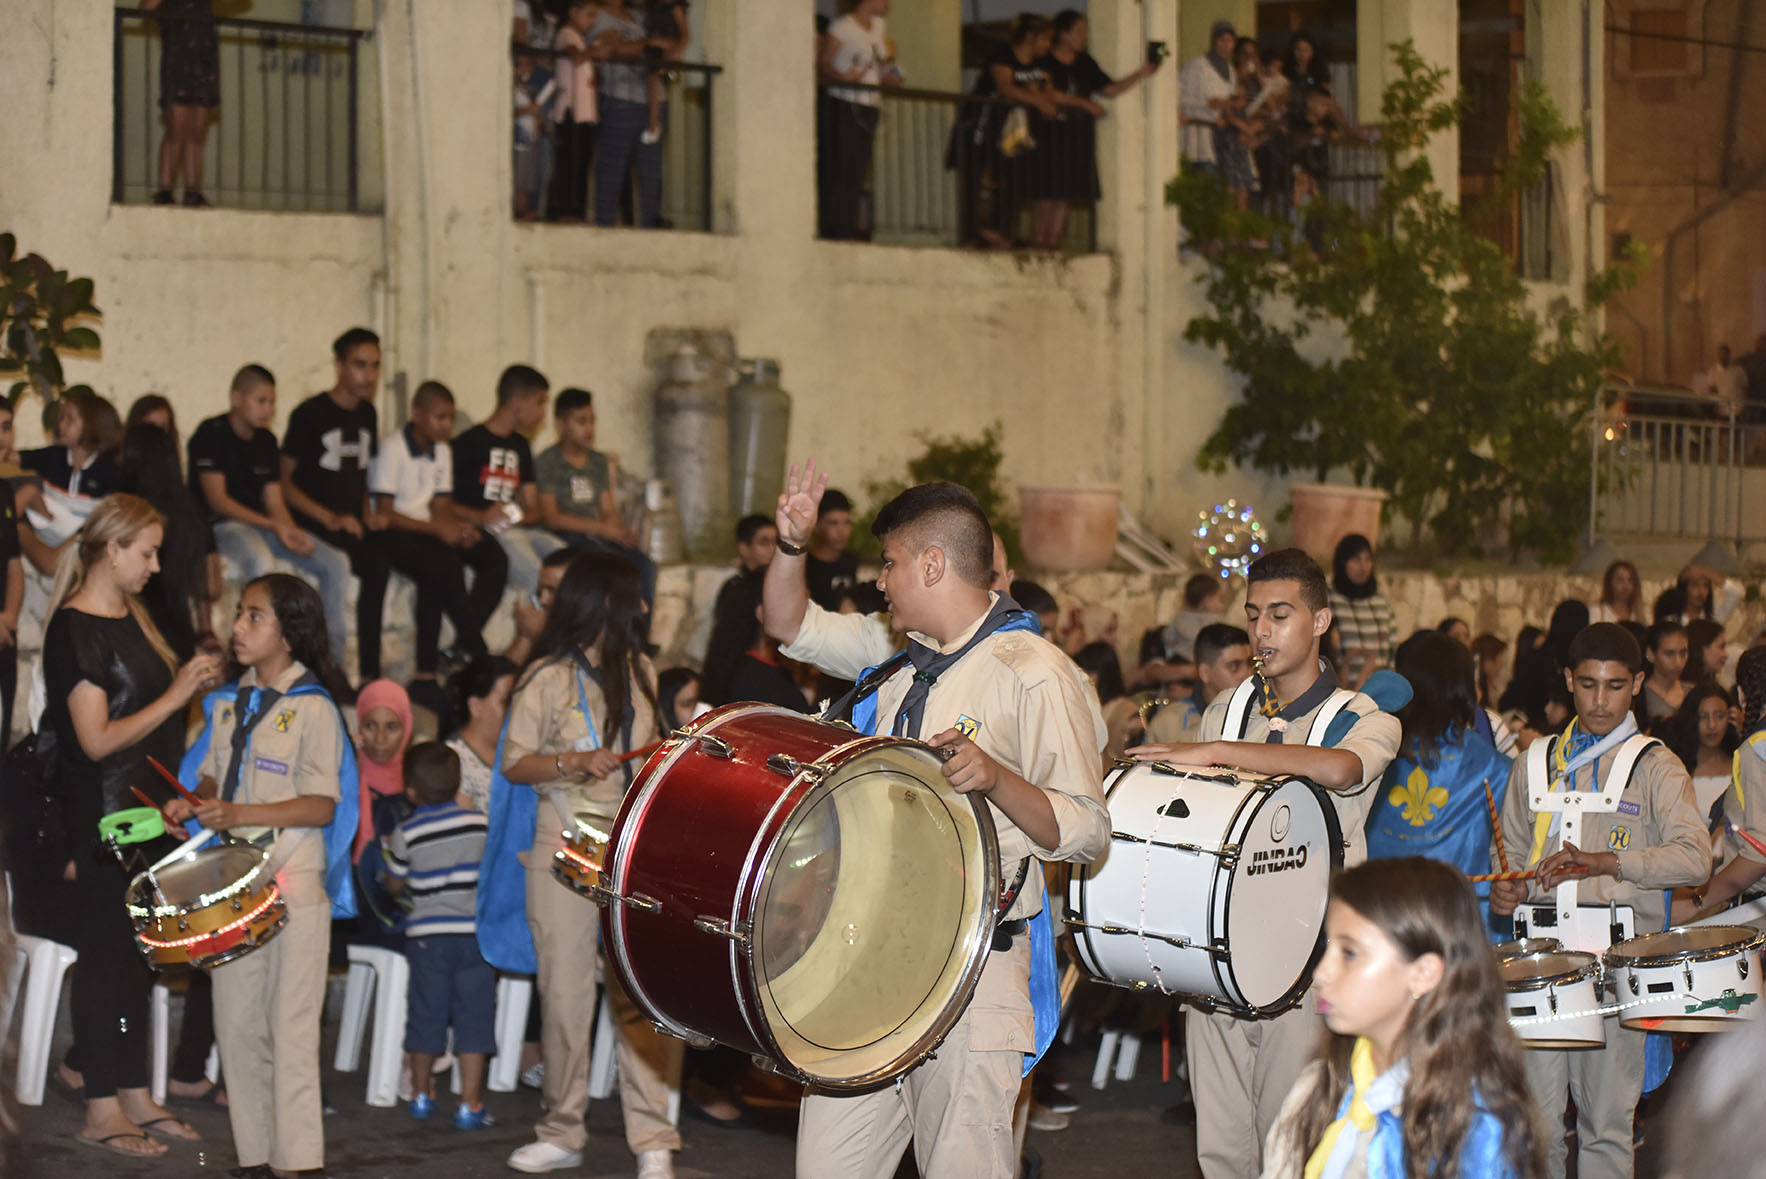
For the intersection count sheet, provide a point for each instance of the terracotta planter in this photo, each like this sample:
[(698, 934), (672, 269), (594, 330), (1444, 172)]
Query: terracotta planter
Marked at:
[(1325, 513), (1067, 529)]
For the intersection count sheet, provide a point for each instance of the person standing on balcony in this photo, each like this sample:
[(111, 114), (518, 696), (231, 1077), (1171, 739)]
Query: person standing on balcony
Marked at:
[(1069, 152), (575, 113), (854, 51), (991, 146), (1205, 90), (189, 91), (1726, 385), (620, 38)]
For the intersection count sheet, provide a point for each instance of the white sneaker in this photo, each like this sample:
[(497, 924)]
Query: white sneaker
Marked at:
[(536, 1158), (656, 1164)]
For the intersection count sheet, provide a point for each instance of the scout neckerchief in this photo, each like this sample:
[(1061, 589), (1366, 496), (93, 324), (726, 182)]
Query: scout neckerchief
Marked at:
[(930, 664), (1575, 748), (248, 715), (1369, 1097), (1323, 695)]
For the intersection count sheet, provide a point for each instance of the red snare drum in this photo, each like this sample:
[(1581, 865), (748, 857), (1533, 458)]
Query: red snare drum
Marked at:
[(820, 900)]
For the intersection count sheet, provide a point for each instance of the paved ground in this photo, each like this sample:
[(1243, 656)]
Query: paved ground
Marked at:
[(1117, 1134)]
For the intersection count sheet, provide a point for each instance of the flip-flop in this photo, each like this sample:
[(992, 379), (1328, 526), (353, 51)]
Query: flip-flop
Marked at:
[(209, 1097), (193, 1136), (104, 1144), (70, 1093)]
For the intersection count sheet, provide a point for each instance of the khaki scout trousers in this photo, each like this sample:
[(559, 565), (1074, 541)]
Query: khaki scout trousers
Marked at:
[(267, 1011), (1606, 1083), (1240, 1073), (566, 929)]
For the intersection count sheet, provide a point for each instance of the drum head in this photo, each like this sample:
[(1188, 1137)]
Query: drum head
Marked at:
[(1526, 946), (1538, 970), (1275, 910), (212, 872), (1690, 943), (874, 917)]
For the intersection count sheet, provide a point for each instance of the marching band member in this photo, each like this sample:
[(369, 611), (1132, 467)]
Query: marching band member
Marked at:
[(1653, 840), (273, 764), (1744, 805), (1011, 712), (1290, 718)]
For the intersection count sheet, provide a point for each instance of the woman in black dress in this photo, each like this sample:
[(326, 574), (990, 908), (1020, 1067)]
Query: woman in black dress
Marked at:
[(114, 700), (992, 160), (189, 92), (1067, 148)]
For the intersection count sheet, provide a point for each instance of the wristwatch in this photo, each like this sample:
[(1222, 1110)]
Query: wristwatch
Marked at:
[(791, 550)]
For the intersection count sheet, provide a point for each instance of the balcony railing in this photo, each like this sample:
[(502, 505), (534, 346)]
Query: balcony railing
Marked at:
[(288, 133), (926, 168), (542, 192), (1674, 465)]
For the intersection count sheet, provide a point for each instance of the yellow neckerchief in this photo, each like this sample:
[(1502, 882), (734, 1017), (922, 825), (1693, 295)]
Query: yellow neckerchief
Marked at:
[(1359, 1115), (1560, 761), (1741, 799)]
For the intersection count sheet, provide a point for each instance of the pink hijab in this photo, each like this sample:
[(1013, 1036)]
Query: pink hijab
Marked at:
[(379, 778)]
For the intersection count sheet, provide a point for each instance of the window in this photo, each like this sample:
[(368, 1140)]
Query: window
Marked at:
[(1657, 41)]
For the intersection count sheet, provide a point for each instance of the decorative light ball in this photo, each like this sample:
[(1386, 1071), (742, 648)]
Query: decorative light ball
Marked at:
[(1228, 537)]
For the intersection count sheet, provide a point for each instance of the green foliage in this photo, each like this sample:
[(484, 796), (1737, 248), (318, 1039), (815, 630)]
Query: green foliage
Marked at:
[(972, 462), (41, 317), (1401, 346)]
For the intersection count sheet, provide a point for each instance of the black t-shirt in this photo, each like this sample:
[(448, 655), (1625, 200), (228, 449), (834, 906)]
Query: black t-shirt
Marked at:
[(766, 683), (95, 481), (331, 447), (246, 465), (1082, 78), (115, 655), (831, 581), (490, 468), (1030, 76)]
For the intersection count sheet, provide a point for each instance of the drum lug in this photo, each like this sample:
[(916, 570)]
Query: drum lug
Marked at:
[(1686, 970), (1741, 964), (237, 907), (784, 763), (718, 927), (714, 746), (693, 1040), (604, 896), (1631, 981), (1551, 997)]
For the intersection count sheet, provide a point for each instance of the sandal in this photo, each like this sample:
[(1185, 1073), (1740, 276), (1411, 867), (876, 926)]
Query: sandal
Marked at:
[(166, 1135), (105, 1144), (215, 1096)]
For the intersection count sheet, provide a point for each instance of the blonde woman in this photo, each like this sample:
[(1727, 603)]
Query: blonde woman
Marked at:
[(115, 697)]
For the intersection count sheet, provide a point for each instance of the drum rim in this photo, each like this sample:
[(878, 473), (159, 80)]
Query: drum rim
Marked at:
[(749, 898), (243, 884), (1538, 982), (1751, 939), (1552, 946)]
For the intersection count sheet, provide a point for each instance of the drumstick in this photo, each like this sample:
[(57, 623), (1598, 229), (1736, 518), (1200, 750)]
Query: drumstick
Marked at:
[(195, 840), (1754, 843), (184, 792), (142, 795), (1495, 826), (1489, 877), (644, 752)]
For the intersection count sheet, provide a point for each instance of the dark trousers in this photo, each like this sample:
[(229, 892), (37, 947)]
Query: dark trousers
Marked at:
[(8, 691), (848, 133), (618, 147), (112, 982), (196, 1035), (570, 171), (439, 572), (369, 563)]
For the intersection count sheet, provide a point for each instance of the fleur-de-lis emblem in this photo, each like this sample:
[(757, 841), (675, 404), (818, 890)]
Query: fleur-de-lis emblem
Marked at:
[(1416, 799)]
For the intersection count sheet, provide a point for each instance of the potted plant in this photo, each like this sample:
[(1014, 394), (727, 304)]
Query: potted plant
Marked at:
[(41, 310), (1439, 386)]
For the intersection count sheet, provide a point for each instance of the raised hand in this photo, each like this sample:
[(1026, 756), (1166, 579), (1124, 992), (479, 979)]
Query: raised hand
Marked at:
[(800, 503)]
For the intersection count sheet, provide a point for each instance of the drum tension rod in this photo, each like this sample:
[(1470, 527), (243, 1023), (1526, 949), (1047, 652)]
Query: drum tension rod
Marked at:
[(784, 763), (714, 746), (637, 900), (718, 927)]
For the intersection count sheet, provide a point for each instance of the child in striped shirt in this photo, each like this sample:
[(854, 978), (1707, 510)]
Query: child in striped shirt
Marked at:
[(434, 858)]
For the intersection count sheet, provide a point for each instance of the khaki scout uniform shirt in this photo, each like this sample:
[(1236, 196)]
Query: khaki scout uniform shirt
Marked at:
[(1373, 738), (546, 717), (1744, 803), (296, 750), (1656, 833), (843, 645)]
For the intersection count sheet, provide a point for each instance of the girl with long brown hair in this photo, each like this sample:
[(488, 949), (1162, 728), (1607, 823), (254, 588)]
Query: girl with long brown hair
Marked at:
[(1419, 1074), (115, 697)]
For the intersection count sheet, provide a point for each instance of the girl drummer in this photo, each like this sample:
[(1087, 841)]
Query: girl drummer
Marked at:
[(586, 692), (115, 698), (1420, 1074), (275, 766)]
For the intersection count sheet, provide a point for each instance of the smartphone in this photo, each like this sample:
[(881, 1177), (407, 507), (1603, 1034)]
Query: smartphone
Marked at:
[(1156, 52)]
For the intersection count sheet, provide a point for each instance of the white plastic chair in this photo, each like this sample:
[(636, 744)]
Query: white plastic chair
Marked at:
[(514, 996), (48, 964), (1125, 1047), (380, 978)]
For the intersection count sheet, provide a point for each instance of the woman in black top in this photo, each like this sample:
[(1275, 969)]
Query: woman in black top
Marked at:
[(178, 597), (114, 700), (1067, 148), (189, 92), (1013, 72)]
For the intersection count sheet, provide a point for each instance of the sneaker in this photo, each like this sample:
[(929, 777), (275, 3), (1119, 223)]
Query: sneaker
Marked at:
[(163, 197), (535, 1077), (193, 199), (536, 1158), (656, 1164), (473, 1119), (1057, 1101), (1043, 1118), (422, 1107)]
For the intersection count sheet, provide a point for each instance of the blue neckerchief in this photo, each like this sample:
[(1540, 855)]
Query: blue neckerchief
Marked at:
[(340, 833), (1386, 688), (1045, 979), (1481, 1154), (504, 936)]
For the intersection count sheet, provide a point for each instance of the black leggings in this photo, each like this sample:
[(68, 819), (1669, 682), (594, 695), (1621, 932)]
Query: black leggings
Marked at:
[(439, 571), (368, 562), (112, 983), (196, 1035)]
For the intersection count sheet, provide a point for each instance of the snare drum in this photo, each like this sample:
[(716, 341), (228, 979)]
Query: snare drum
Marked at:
[(1693, 979), (821, 900), (1554, 999), (579, 863), (1532, 945), (1214, 886), (206, 907)]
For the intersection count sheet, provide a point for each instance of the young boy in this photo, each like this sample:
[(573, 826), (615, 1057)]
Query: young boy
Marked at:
[(1242, 1069), (576, 484), (1223, 660), (731, 615), (411, 482), (494, 475), (234, 475), (1204, 599), (434, 857), (1653, 839), (325, 457), (832, 572), (1031, 750)]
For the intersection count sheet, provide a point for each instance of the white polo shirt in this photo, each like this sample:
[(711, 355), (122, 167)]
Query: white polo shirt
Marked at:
[(411, 477)]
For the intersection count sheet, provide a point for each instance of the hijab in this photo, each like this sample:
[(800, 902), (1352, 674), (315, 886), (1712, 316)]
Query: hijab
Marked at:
[(381, 778), (1221, 28)]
